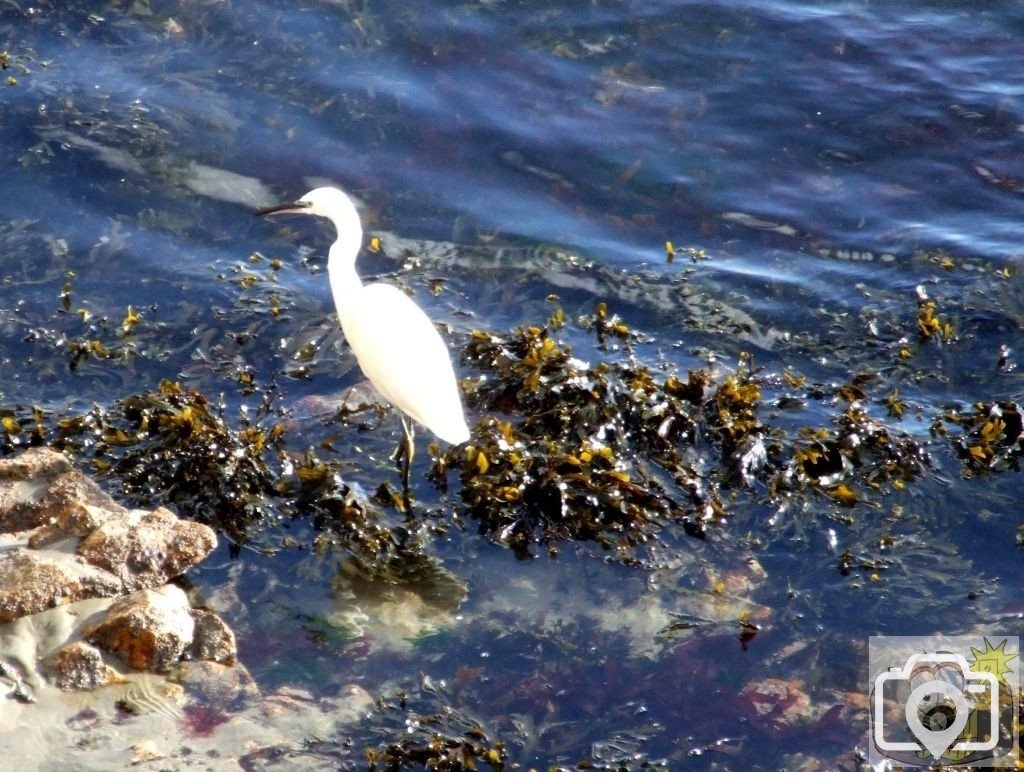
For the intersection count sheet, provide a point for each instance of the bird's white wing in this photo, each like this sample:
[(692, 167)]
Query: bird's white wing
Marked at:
[(405, 358)]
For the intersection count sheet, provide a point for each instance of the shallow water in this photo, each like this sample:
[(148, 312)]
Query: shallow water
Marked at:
[(828, 160)]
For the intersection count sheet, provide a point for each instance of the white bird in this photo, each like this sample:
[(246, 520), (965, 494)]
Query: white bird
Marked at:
[(397, 346)]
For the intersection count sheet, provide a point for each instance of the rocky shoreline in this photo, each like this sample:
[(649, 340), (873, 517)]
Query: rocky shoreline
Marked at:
[(64, 546)]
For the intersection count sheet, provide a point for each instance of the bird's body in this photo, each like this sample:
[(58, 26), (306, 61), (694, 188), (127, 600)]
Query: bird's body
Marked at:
[(376, 323), (398, 348)]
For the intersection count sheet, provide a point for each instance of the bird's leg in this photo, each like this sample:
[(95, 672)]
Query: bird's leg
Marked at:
[(410, 430), (405, 451), (405, 445)]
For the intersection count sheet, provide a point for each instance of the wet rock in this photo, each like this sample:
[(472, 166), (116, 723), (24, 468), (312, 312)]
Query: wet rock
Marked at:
[(74, 520), (33, 464), (83, 583), (78, 667), (40, 488), (146, 549), (65, 540), (213, 640), (155, 630), (32, 581), (148, 630)]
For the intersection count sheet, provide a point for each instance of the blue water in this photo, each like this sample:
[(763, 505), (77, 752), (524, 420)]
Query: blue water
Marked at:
[(828, 158)]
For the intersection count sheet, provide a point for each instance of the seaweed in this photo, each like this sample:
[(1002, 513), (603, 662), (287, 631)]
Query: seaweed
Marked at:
[(573, 451), (990, 438), (172, 446)]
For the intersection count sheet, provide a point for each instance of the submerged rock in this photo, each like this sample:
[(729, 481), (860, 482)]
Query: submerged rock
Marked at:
[(213, 640)]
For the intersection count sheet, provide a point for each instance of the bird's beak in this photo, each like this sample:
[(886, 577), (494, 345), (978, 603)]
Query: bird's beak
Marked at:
[(293, 207)]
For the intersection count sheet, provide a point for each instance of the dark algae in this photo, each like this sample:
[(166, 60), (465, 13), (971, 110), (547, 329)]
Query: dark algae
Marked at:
[(172, 446), (572, 451)]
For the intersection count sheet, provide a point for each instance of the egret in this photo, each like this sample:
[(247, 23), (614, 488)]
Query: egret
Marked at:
[(396, 345)]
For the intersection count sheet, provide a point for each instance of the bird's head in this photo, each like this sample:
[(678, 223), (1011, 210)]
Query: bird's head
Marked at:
[(323, 202)]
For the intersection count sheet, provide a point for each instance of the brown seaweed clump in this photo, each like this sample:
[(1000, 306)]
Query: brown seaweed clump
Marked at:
[(424, 731), (570, 450), (172, 446), (611, 452), (991, 437), (857, 453)]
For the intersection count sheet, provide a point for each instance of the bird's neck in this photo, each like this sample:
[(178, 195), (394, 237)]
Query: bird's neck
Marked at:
[(341, 260), (341, 270)]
